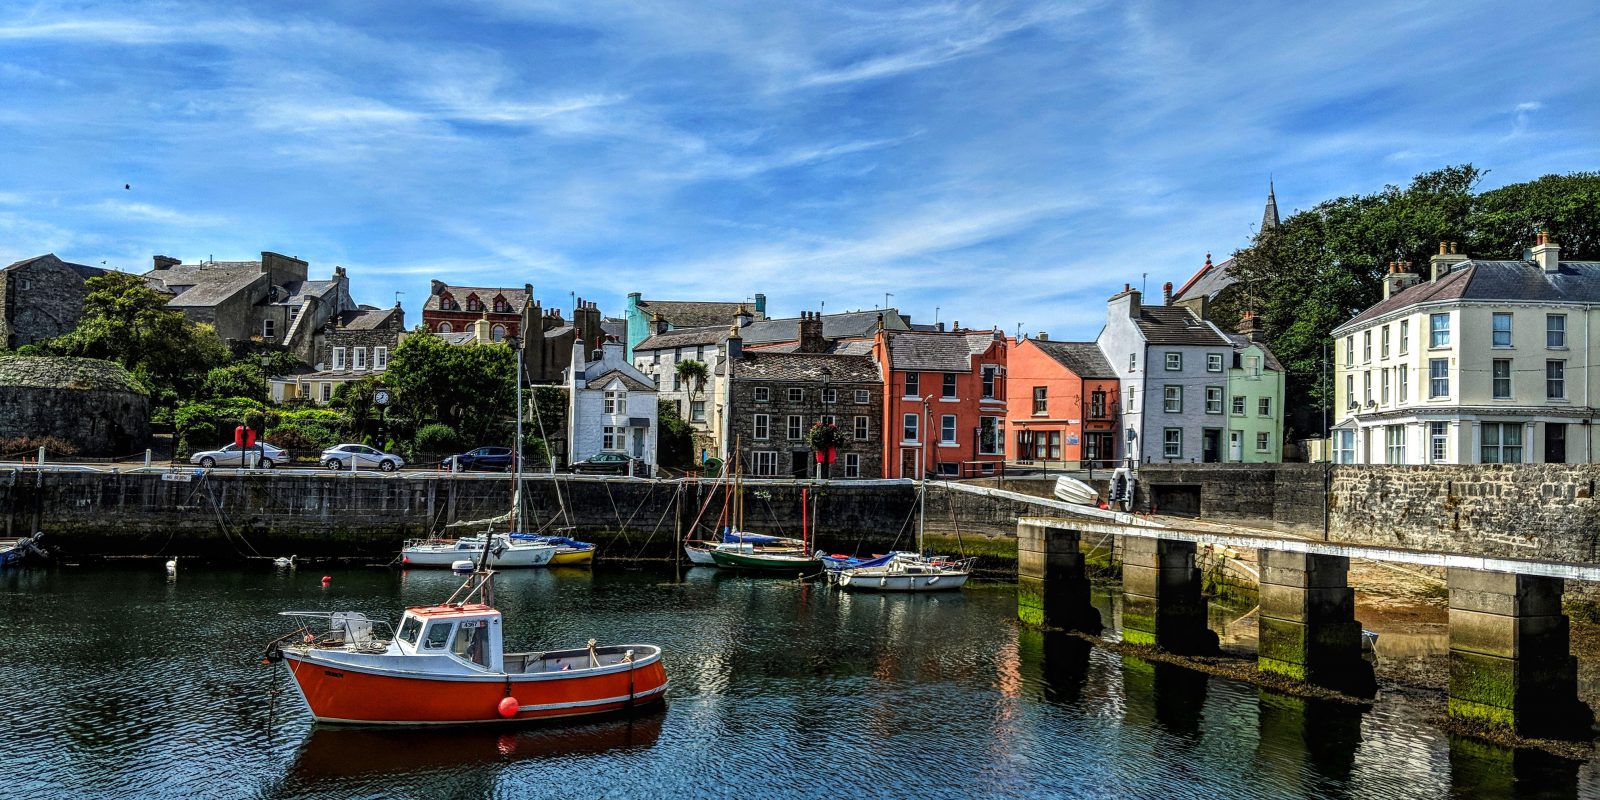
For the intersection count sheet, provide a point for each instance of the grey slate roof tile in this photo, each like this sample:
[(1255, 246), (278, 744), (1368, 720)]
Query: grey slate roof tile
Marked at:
[(1576, 282), (1177, 325), (1083, 358), (763, 365), (937, 352)]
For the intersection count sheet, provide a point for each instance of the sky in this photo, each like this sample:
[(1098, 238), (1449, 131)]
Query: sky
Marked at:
[(992, 163)]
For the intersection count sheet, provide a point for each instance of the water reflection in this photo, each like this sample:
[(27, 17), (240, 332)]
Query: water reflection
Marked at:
[(1309, 743), (1168, 695), (1481, 770), (441, 763)]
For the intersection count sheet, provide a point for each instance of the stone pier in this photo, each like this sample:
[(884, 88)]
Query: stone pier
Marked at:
[(1162, 604), (1510, 662), (1308, 629), (1052, 590)]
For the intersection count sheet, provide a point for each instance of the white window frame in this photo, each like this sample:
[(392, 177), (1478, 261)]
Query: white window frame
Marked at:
[(1237, 405), (1438, 334), (1264, 407), (766, 463), (380, 358), (947, 386), (1213, 362), (1495, 329), (852, 465), (1555, 379), (1172, 443), (1263, 442), (1493, 438), (913, 383), (1172, 399), (1438, 380), (1405, 336), (1213, 399), (1173, 362), (796, 427), (863, 397), (947, 430), (830, 395), (697, 411), (863, 428), (910, 428), (1495, 379), (1555, 331), (761, 394), (358, 359), (338, 358), (797, 394), (761, 428), (1438, 442), (616, 402), (991, 378)]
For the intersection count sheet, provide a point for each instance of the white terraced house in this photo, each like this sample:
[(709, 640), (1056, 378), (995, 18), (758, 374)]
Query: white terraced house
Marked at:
[(1487, 362)]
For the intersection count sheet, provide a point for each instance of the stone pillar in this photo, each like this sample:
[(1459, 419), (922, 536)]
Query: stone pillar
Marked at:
[(1510, 663), (1052, 590), (1162, 603), (1308, 629)]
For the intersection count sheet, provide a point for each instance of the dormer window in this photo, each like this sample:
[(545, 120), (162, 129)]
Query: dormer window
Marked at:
[(501, 306), (473, 303)]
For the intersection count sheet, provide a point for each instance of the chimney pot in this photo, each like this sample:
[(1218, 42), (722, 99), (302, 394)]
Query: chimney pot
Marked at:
[(1166, 293), (1444, 248), (1044, 336)]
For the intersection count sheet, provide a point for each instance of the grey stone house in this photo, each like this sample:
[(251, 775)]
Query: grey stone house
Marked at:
[(350, 346), (41, 298), (773, 399), (272, 301), (96, 405)]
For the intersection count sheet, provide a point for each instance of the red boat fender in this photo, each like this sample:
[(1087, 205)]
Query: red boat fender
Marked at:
[(327, 579), (509, 707)]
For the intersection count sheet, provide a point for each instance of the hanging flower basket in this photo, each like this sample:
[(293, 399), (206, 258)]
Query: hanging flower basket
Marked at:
[(824, 436)]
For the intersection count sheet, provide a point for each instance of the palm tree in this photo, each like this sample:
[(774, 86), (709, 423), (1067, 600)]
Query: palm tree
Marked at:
[(692, 374)]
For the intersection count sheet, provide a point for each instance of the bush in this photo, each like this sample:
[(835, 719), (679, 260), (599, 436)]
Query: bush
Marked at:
[(29, 445), (202, 425), (301, 437), (437, 438)]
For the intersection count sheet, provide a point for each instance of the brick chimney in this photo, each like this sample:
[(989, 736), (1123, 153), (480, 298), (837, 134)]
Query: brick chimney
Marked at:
[(1546, 254), (1166, 293), (1400, 277), (1044, 336), (166, 262), (811, 340), (1250, 327)]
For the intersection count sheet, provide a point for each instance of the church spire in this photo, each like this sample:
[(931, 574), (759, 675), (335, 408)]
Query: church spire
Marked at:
[(1269, 217)]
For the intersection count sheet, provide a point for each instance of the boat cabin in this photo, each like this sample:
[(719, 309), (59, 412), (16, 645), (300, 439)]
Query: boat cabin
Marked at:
[(470, 633)]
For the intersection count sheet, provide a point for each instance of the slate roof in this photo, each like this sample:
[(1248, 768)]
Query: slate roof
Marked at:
[(853, 347), (299, 290), (1177, 325), (936, 352), (1208, 282), (1576, 282), (765, 365), (216, 288), (84, 270), (1083, 358), (684, 337), (1241, 342), (693, 314), (366, 319), (846, 325), (617, 328), (517, 297)]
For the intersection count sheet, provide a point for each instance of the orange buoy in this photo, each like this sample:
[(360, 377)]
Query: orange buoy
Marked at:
[(327, 579), (508, 707)]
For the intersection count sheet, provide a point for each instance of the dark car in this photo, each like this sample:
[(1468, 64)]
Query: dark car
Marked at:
[(501, 458), (609, 463)]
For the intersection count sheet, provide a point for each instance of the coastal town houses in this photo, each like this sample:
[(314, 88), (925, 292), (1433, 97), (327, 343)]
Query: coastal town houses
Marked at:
[(659, 354), (351, 346), (1172, 366), (1478, 362), (452, 309), (773, 398), (1256, 386), (645, 318), (944, 402), (1063, 405), (41, 298), (272, 301), (547, 338), (613, 406)]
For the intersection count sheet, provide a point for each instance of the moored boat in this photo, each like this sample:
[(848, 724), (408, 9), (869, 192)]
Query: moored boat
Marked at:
[(1073, 490), (795, 562), (447, 666), (906, 572), (505, 552), (569, 552), (13, 550)]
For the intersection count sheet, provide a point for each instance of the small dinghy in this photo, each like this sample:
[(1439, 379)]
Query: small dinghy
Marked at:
[(14, 550), (1073, 490)]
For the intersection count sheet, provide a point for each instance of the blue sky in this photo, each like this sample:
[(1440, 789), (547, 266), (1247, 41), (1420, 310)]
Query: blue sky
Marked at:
[(1002, 163)]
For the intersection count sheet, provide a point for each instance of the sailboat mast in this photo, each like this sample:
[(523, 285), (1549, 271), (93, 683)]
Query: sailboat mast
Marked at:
[(922, 510), (516, 494)]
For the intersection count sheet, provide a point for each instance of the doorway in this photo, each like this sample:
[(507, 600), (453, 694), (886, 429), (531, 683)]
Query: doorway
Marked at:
[(798, 463), (1555, 443), (1236, 446), (908, 462), (1211, 445)]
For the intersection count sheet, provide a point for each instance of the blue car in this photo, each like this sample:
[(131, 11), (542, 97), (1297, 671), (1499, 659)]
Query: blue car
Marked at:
[(499, 458)]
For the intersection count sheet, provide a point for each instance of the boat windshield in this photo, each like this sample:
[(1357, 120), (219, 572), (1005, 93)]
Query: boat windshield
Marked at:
[(438, 634), (471, 642), (409, 630)]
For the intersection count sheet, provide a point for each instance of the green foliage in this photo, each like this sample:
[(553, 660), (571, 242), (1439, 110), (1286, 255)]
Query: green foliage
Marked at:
[(535, 451), (127, 322), (235, 380), (356, 398), (437, 438), (693, 374), (469, 388), (674, 437), (1323, 266), (206, 424), (306, 428), (824, 435)]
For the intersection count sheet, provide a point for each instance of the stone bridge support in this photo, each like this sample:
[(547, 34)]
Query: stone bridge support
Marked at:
[(1510, 662), (1308, 629), (1052, 590), (1162, 604)]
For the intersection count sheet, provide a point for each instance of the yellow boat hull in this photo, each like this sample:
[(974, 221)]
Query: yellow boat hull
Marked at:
[(571, 558)]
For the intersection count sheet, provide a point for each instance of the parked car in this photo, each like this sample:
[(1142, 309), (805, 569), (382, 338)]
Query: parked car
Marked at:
[(609, 463), (234, 456), (483, 458), (340, 456)]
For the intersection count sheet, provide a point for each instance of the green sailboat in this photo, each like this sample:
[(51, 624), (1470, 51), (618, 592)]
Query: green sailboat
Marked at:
[(750, 557)]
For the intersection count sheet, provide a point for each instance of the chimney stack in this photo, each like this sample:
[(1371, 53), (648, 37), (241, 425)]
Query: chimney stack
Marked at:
[(811, 340), (1400, 277), (436, 288), (1166, 293), (1547, 254), (1044, 336), (1441, 264), (659, 323), (742, 317), (735, 343), (761, 305), (166, 262), (1249, 327)]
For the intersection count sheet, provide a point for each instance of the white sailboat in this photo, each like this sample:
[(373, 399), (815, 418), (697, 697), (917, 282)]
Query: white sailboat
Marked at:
[(910, 572)]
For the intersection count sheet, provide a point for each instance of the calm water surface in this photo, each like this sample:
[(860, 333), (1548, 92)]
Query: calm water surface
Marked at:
[(121, 684)]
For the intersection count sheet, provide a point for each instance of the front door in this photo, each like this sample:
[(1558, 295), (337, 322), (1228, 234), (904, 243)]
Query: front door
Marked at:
[(1236, 446), (1555, 443), (798, 464), (908, 462), (1210, 445)]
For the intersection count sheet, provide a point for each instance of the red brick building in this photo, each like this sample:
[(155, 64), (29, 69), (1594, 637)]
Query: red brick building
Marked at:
[(453, 309), (1064, 404), (944, 402)]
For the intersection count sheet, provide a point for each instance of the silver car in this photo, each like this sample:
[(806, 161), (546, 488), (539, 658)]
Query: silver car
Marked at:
[(234, 456), (365, 457)]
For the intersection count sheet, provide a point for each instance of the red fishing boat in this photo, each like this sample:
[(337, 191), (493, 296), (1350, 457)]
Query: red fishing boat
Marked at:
[(447, 666)]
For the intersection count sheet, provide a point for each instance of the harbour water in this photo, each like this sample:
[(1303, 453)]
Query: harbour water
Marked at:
[(120, 683)]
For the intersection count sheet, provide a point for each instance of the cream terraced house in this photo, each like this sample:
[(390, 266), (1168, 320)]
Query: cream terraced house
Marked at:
[(1487, 362)]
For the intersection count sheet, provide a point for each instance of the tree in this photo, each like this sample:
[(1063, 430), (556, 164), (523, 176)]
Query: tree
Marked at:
[(674, 437), (694, 375), (469, 387), (126, 321), (235, 380)]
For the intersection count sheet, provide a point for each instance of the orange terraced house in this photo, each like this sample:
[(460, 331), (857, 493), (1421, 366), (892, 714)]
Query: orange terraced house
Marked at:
[(1064, 402), (944, 402)]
